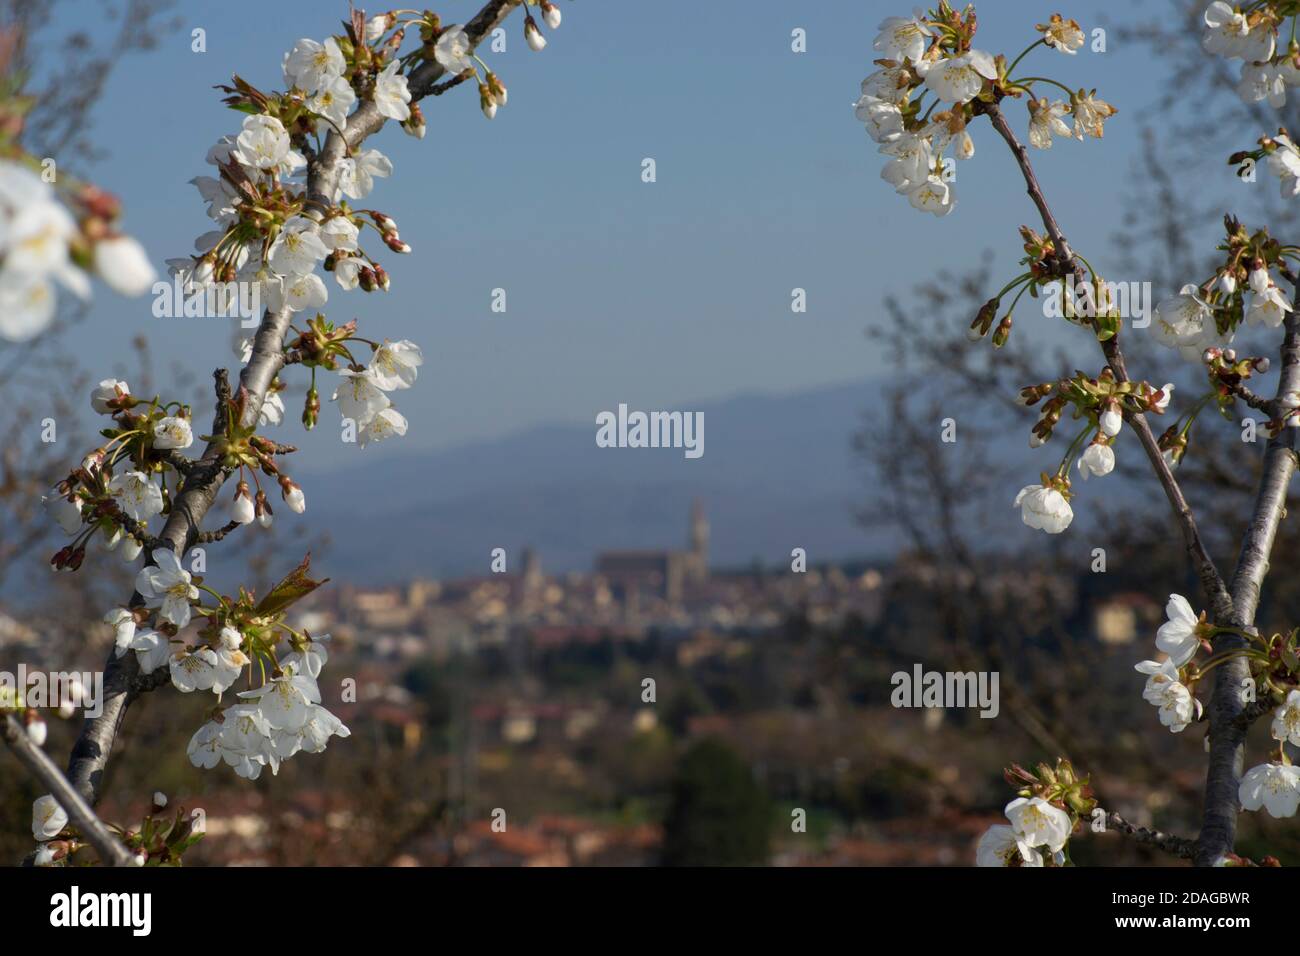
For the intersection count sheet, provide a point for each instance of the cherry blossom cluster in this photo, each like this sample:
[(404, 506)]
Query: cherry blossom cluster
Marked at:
[(1171, 684), (1275, 672), (135, 475), (52, 236), (1049, 804), (1100, 403), (232, 637), (126, 481), (1251, 35), (161, 839), (932, 83), (1206, 315), (362, 395)]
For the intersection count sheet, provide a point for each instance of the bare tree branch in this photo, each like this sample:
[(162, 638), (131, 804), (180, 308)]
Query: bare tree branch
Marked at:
[(1227, 730), (1178, 846), (109, 848)]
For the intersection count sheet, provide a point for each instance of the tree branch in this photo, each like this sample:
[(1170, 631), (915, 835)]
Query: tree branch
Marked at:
[(1228, 721), (1178, 846), (110, 849), (1211, 581), (122, 677)]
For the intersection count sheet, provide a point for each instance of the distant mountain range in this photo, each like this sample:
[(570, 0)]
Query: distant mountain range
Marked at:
[(778, 472)]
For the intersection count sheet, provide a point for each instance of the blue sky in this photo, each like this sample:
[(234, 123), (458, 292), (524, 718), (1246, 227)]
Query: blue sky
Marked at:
[(656, 295)]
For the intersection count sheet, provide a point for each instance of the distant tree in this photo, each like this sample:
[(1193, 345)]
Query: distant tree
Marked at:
[(717, 814)]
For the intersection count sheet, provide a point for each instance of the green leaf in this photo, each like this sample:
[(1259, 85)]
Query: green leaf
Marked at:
[(296, 586)]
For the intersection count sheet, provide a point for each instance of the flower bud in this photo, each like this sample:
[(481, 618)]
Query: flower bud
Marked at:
[(243, 507), (393, 242), (159, 800), (551, 14), (1002, 332), (486, 102), (414, 124), (131, 548), (984, 319), (311, 408), (36, 729), (107, 397), (532, 35), (499, 92), (1110, 420), (123, 264), (263, 510), (293, 495), (965, 145)]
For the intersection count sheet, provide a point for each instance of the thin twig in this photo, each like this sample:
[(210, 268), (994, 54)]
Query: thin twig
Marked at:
[(1211, 580), (110, 849), (1179, 846)]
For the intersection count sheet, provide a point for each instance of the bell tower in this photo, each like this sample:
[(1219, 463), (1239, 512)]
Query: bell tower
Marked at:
[(699, 541)]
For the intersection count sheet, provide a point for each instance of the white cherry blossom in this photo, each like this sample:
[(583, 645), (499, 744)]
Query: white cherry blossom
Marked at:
[(394, 364), (48, 818), (1045, 121), (386, 422), (166, 585), (122, 262), (1272, 786), (358, 397), (108, 390), (902, 38), (1226, 30), (122, 621), (172, 431), (1000, 845), (1286, 720), (1039, 823), (453, 51), (63, 510), (137, 494), (298, 248), (263, 142), (1269, 307), (1097, 460), (959, 79), (933, 196), (152, 649), (1179, 636), (311, 65), (333, 101), (391, 93), (1262, 81), (1044, 508), (357, 174), (285, 702)]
